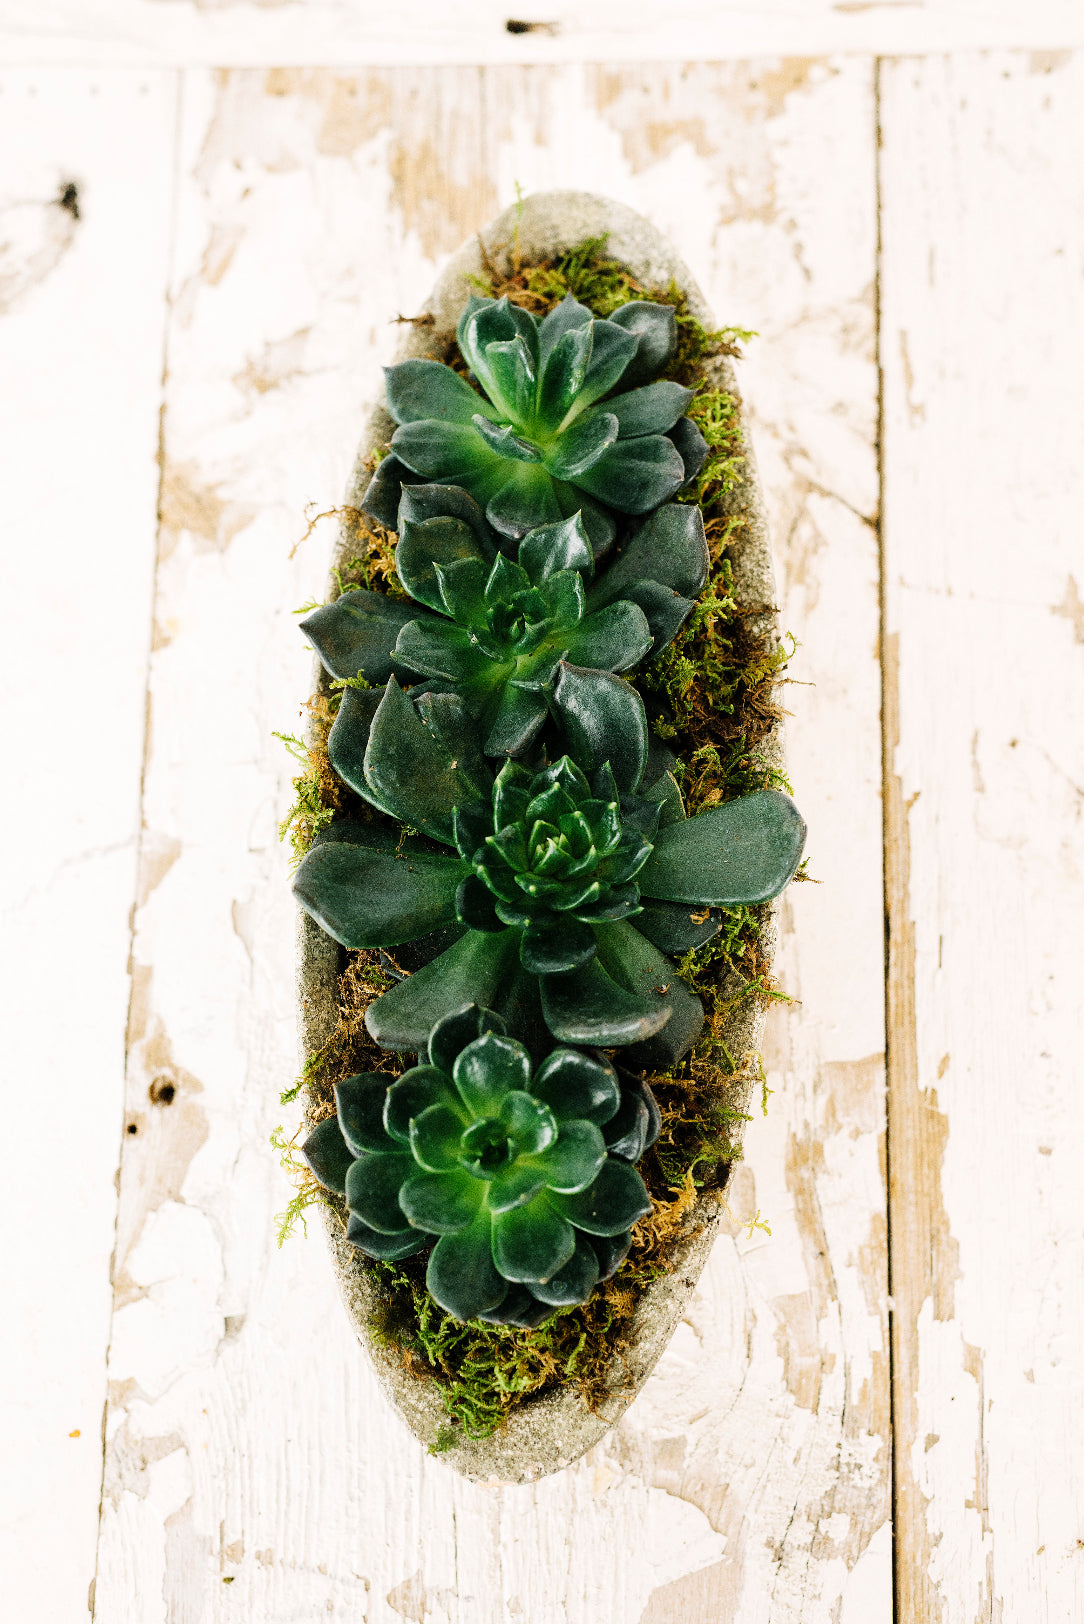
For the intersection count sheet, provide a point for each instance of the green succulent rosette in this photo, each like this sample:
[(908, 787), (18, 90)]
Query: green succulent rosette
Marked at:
[(568, 419), (565, 886), (495, 630), (523, 1173)]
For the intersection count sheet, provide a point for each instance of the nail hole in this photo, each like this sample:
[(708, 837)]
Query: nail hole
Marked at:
[(133, 1127), (68, 199)]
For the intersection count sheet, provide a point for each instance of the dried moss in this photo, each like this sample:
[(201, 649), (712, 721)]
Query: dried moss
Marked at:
[(713, 694)]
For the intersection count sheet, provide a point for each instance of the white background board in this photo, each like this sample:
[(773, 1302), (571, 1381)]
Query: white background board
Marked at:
[(224, 300)]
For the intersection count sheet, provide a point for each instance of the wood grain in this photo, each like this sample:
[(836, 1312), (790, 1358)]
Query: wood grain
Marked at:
[(984, 654), (252, 1469), (84, 227)]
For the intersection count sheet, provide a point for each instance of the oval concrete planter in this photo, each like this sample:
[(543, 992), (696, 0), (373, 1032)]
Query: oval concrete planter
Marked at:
[(547, 1433)]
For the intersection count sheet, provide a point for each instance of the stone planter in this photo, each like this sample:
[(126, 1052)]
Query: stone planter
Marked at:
[(548, 1432)]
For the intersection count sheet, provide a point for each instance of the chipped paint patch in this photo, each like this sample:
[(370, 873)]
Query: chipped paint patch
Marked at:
[(1071, 608), (712, 1593), (189, 506), (157, 855)]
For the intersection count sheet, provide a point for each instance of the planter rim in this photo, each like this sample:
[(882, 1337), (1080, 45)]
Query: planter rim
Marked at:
[(548, 1433)]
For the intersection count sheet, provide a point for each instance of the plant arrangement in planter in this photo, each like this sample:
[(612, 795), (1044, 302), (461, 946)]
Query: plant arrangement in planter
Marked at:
[(536, 823)]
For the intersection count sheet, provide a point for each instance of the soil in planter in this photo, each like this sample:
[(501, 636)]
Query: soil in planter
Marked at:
[(714, 692)]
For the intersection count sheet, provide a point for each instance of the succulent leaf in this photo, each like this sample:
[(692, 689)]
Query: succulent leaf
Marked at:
[(651, 410), (328, 1155), (385, 490), (563, 372), (390, 1248), (354, 636), (476, 967), (367, 888), (488, 1069), (643, 972), (372, 1191), (655, 329), (422, 759), (349, 737), (582, 445), (574, 1280), (691, 447), (418, 389), (420, 503), (533, 1241), (359, 1104), (417, 1090), (626, 1133), (441, 1203), (506, 443), (635, 475), (668, 547), (603, 720), (742, 852), (574, 1158), (613, 1202), (426, 546), (567, 317), (675, 927), (589, 1006), (434, 1137), (452, 452), (452, 1034), (578, 1087), (461, 1275), (611, 1251), (553, 548), (518, 1307)]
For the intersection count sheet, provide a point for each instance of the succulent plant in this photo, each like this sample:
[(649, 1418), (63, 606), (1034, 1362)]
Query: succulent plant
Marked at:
[(534, 909), (525, 1177), (548, 437), (495, 630)]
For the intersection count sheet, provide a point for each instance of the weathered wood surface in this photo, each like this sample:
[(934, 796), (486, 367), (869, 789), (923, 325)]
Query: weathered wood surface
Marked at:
[(246, 1438), (981, 344), (84, 229), (323, 33), (252, 1470)]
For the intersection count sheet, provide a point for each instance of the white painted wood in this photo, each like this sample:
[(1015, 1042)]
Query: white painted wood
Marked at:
[(247, 1439), (982, 348), (344, 33), (81, 335)]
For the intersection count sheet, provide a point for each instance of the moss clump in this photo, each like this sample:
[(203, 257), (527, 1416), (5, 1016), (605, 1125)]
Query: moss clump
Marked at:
[(484, 1370), (319, 795), (713, 698), (603, 284)]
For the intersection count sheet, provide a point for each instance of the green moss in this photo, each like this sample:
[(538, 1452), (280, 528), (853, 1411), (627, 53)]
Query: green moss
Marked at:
[(483, 1370), (715, 413), (308, 1191), (713, 690), (315, 797)]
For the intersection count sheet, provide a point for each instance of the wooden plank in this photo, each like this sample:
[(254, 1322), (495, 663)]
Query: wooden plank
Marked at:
[(84, 228), (252, 1467), (771, 1411), (340, 33), (981, 344)]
